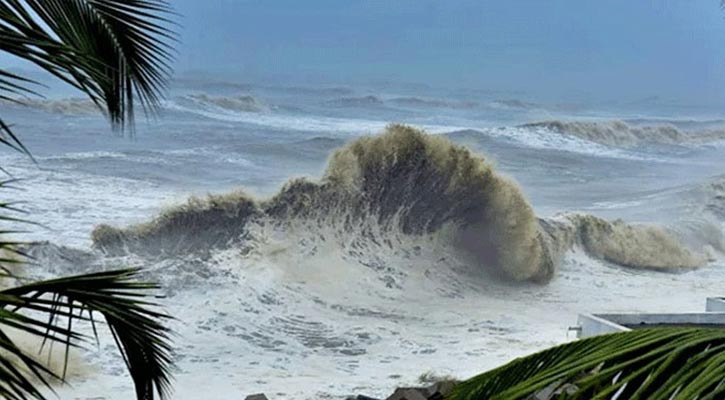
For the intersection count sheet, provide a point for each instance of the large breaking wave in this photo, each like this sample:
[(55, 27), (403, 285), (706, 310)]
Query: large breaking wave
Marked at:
[(405, 183)]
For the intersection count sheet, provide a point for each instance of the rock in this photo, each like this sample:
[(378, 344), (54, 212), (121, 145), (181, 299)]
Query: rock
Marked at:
[(409, 394), (440, 390), (258, 396), (437, 391)]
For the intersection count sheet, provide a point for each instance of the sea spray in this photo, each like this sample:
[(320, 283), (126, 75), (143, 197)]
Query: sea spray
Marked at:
[(405, 182), (403, 179)]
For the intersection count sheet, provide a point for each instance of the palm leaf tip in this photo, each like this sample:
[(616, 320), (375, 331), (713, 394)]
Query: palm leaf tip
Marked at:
[(115, 51), (658, 363), (138, 330)]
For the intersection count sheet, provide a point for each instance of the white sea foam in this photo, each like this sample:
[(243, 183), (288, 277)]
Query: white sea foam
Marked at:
[(546, 139)]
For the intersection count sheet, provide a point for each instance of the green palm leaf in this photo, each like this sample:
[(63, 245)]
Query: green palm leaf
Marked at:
[(116, 52), (112, 50), (658, 363), (117, 297)]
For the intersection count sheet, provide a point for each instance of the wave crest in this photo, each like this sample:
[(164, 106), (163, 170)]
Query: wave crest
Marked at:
[(402, 179), (69, 106), (433, 103), (231, 103), (621, 134), (198, 225), (630, 245), (365, 101), (514, 104), (405, 182)]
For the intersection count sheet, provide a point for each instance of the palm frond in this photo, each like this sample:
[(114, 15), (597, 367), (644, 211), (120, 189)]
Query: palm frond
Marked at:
[(118, 297), (13, 84), (11, 252), (8, 138), (115, 51), (112, 50), (656, 363)]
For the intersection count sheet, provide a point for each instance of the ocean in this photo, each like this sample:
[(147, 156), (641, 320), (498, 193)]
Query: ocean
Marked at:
[(340, 254)]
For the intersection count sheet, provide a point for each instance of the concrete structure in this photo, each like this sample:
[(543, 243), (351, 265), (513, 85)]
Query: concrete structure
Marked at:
[(598, 324), (593, 324)]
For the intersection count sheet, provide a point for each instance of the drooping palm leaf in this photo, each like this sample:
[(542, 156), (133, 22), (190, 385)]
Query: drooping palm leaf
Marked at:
[(656, 363), (48, 309), (15, 85), (11, 254), (112, 50)]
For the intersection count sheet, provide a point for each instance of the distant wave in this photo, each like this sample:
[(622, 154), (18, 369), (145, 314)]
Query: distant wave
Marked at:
[(312, 91), (419, 102), (410, 102), (69, 106), (432, 103), (513, 104), (170, 157), (301, 122), (545, 139), (404, 184), (281, 121), (686, 123), (82, 106), (321, 142), (621, 134), (230, 103), (365, 101)]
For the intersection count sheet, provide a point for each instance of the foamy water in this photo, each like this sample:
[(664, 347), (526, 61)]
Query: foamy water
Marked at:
[(305, 310)]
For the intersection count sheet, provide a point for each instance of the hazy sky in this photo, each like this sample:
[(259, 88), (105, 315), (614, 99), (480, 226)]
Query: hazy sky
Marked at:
[(603, 48), (557, 49)]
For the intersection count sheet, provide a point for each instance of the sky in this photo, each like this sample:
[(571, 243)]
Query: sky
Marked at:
[(615, 50)]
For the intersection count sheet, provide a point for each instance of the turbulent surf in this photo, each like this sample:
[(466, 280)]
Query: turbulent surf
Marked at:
[(371, 190)]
